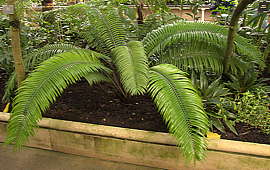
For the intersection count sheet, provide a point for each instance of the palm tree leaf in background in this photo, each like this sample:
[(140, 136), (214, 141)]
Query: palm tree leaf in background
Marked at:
[(181, 107), (158, 36), (248, 51), (214, 36), (131, 63), (43, 86), (195, 55)]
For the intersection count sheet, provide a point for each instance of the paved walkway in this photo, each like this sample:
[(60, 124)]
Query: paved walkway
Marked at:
[(38, 159)]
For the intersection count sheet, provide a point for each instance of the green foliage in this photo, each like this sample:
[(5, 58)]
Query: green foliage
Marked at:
[(253, 108), (185, 44), (225, 112), (126, 66), (43, 86), (217, 103), (223, 6), (31, 61), (50, 27), (154, 21), (181, 107), (6, 62), (96, 77), (44, 53), (10, 87), (105, 29), (131, 63), (246, 82)]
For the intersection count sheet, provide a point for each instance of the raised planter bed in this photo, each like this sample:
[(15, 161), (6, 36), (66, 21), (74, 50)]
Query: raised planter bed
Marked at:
[(140, 147)]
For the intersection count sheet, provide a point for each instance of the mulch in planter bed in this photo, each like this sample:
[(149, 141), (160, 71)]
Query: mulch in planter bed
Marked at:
[(100, 104)]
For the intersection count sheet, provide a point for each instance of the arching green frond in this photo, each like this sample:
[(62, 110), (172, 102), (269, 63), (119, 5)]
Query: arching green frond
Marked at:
[(181, 107), (44, 85), (107, 28), (34, 59), (96, 77), (156, 37), (131, 63), (214, 36), (46, 52), (248, 51), (193, 56)]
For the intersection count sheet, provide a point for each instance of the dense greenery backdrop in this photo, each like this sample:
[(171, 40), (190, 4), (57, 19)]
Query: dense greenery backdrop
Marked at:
[(178, 63)]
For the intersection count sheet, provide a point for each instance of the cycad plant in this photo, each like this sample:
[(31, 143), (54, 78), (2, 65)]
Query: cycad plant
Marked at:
[(123, 63), (134, 68)]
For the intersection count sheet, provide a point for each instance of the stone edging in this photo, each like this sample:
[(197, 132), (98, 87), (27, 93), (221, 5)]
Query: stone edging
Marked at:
[(147, 136)]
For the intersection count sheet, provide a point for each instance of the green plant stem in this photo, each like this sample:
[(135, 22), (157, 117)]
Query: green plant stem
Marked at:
[(116, 82), (232, 32), (16, 44)]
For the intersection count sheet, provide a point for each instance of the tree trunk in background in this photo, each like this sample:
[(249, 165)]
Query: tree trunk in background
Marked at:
[(47, 5), (140, 13), (232, 32), (16, 44)]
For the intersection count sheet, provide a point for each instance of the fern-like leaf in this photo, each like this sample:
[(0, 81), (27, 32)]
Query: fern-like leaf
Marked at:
[(31, 61), (96, 77), (43, 86), (131, 63), (106, 28), (194, 54), (181, 107), (46, 52), (214, 36)]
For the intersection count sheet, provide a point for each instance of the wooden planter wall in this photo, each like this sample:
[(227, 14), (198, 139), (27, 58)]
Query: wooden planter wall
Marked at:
[(140, 147)]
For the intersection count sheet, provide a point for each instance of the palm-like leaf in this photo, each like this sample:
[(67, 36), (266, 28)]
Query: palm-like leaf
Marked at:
[(44, 85), (196, 35), (96, 77), (131, 63), (32, 60), (106, 28), (46, 52), (194, 55), (181, 107)]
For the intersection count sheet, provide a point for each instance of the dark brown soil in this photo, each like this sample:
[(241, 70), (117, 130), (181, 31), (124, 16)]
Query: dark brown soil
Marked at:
[(101, 105)]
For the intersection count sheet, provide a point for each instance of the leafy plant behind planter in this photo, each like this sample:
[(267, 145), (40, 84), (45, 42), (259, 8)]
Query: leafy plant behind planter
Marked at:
[(253, 108), (123, 63), (6, 61), (217, 103)]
